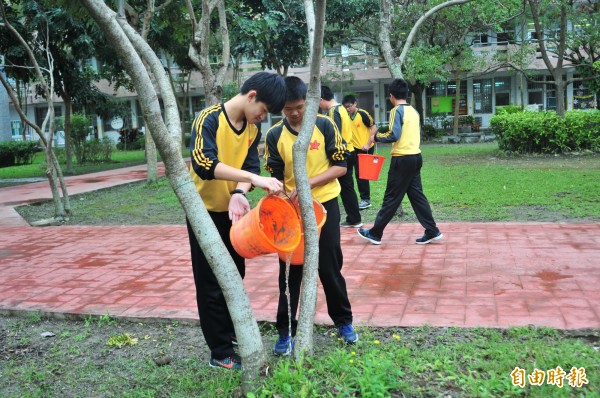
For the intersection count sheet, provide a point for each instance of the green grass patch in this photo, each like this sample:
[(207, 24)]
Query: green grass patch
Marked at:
[(392, 362), (464, 183), (37, 168)]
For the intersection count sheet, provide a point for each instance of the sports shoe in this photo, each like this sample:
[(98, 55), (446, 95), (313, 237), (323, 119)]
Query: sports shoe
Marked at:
[(364, 204), (347, 333), (233, 362), (284, 346), (425, 239), (365, 234), (347, 224), (234, 340)]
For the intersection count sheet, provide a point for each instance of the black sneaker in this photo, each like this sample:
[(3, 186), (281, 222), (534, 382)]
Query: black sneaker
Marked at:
[(347, 224), (233, 362), (366, 234), (425, 239), (364, 204)]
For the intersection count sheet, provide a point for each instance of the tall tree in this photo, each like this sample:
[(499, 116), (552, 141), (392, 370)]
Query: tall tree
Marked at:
[(44, 75), (565, 37), (135, 53), (315, 18), (200, 45)]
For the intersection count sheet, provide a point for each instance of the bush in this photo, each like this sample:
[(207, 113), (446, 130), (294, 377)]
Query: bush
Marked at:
[(131, 140), (508, 109), (428, 132), (14, 153), (546, 132), (80, 129)]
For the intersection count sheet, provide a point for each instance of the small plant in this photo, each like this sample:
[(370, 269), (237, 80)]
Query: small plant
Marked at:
[(105, 320), (121, 340), (88, 320), (34, 317)]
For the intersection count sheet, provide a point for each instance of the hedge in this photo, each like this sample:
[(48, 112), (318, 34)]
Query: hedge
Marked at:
[(546, 132), (14, 153)]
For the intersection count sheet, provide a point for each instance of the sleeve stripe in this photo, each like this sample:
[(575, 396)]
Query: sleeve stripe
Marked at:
[(197, 153)]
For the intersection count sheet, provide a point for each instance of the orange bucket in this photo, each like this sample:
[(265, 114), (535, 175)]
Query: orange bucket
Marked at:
[(369, 166), (321, 216), (270, 227)]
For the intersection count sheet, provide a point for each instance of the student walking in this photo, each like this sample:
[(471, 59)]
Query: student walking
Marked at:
[(404, 176)]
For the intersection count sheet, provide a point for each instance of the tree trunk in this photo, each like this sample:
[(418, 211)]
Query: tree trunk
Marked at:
[(306, 318), (152, 165), (221, 263), (456, 108), (68, 148)]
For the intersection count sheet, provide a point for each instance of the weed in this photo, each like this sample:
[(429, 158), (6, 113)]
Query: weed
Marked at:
[(34, 317), (122, 340), (106, 320)]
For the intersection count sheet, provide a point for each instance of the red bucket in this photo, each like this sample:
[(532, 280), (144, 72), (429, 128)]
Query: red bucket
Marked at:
[(369, 166)]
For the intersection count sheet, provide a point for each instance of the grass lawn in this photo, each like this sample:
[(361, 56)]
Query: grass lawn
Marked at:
[(472, 182)]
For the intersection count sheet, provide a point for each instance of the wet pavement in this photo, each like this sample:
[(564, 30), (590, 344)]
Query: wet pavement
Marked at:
[(479, 274)]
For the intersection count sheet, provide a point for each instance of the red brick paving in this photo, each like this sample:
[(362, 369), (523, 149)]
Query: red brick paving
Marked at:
[(480, 274)]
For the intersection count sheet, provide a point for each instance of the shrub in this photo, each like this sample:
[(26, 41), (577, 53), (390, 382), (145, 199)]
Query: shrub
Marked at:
[(510, 109), (80, 129), (130, 140), (546, 132), (14, 153), (428, 132)]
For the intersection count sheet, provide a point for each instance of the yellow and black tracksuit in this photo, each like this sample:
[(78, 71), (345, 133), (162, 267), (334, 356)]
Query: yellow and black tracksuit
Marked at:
[(362, 123), (326, 149), (342, 120), (404, 176), (214, 140)]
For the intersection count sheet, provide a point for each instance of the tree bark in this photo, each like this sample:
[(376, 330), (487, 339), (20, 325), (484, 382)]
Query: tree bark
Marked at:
[(304, 335), (67, 126), (222, 265)]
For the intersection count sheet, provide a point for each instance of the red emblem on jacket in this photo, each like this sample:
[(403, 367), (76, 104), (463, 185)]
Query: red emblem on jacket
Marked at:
[(314, 145)]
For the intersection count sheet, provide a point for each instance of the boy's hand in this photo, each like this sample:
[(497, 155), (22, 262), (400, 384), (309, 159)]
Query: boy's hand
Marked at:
[(238, 206), (269, 184)]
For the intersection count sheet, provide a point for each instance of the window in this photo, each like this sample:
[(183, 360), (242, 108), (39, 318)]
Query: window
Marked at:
[(502, 90), (583, 97), (482, 95)]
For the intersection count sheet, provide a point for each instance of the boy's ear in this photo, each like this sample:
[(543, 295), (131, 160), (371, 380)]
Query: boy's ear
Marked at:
[(251, 94)]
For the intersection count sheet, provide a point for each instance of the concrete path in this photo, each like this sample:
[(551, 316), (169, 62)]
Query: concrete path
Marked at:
[(480, 274)]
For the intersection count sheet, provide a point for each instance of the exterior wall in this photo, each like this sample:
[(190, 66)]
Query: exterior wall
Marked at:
[(5, 131)]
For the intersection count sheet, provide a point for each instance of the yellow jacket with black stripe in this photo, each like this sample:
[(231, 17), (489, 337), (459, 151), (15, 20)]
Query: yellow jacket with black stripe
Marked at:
[(215, 140), (404, 132), (326, 149), (361, 122), (342, 120)]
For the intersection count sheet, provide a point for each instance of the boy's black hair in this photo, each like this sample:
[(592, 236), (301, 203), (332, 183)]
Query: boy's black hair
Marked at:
[(270, 89), (295, 89), (399, 89), (326, 93), (349, 99)]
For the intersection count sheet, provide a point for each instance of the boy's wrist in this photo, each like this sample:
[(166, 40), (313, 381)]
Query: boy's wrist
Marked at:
[(237, 190)]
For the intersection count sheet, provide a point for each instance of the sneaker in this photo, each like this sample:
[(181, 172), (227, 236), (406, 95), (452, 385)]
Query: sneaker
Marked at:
[(284, 346), (364, 204), (425, 239), (347, 224), (347, 333), (233, 362), (234, 340), (365, 234)]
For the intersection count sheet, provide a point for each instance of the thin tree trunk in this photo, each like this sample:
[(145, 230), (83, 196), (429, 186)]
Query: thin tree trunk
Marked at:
[(221, 263), (68, 148), (304, 334), (456, 108)]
